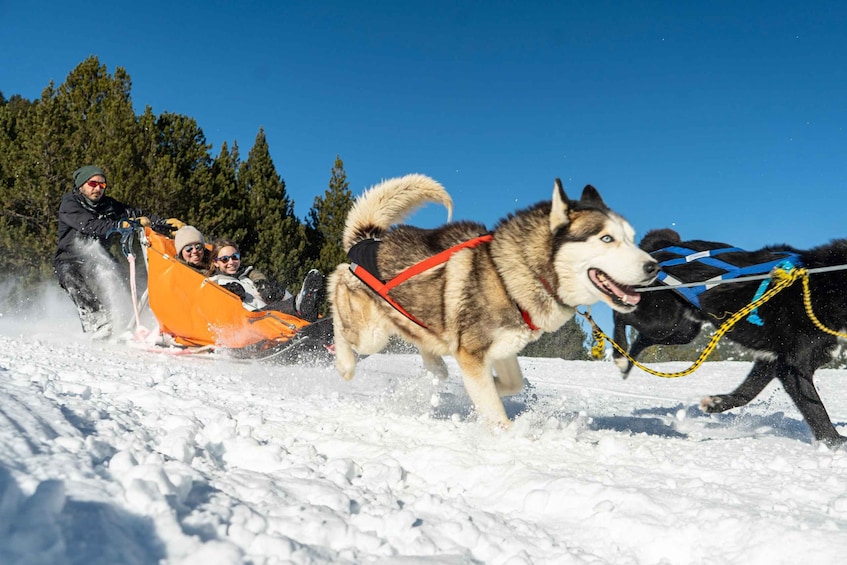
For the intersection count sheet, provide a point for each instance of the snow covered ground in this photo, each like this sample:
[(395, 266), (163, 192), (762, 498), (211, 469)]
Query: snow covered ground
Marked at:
[(117, 455)]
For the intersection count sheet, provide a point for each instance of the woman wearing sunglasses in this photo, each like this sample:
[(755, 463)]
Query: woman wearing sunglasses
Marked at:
[(86, 214), (191, 249), (259, 293)]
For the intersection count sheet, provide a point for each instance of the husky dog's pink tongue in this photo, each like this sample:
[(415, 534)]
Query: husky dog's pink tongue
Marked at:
[(622, 294)]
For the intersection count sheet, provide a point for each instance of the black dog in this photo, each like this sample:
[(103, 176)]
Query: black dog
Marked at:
[(788, 345)]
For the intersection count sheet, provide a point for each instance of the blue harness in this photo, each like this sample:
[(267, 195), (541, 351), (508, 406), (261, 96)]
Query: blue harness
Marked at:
[(786, 260)]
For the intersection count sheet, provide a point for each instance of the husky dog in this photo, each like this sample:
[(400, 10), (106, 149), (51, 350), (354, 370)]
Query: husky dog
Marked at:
[(787, 344), (484, 303)]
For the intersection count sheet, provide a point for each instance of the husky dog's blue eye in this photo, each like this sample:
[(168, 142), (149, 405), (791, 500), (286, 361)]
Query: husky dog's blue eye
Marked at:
[(607, 239)]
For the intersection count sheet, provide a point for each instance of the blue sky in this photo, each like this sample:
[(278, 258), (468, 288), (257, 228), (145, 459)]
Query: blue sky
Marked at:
[(726, 120)]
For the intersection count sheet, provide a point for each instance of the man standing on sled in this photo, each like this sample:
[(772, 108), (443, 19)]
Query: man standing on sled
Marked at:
[(86, 216)]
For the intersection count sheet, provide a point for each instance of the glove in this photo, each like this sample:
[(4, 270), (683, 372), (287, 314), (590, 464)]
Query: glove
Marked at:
[(143, 220), (168, 226), (236, 289)]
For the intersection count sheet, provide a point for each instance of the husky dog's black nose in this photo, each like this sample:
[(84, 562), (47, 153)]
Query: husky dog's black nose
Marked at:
[(651, 268)]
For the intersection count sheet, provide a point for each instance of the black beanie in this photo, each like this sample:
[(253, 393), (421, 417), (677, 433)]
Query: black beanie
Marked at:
[(82, 174)]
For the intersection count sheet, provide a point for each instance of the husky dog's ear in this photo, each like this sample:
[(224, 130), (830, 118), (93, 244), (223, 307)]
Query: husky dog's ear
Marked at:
[(592, 197), (559, 209)]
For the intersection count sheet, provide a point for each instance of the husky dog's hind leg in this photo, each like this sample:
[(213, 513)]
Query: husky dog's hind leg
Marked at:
[(345, 357), (509, 379), (434, 364), (358, 324)]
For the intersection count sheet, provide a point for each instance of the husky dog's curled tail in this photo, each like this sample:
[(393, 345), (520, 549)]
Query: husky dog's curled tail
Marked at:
[(390, 203)]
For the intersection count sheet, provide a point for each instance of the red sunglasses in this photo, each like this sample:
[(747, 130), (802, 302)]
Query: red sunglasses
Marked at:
[(94, 184)]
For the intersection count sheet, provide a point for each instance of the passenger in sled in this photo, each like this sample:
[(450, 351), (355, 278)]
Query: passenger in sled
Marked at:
[(192, 250), (257, 292), (222, 264)]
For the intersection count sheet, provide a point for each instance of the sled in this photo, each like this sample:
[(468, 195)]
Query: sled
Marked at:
[(196, 313)]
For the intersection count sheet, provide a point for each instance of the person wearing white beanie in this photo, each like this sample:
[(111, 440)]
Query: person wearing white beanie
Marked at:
[(191, 248)]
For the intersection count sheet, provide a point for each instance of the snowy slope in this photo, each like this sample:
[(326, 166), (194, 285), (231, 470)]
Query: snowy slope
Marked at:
[(114, 454)]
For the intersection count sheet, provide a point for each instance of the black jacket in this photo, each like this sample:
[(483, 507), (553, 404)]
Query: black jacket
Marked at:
[(81, 219)]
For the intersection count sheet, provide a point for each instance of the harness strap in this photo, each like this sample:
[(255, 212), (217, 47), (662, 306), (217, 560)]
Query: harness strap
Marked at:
[(382, 288), (689, 255), (435, 260), (707, 257), (378, 287)]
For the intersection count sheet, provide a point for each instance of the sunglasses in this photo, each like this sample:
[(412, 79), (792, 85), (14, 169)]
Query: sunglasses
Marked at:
[(95, 184), (193, 247), (225, 258)]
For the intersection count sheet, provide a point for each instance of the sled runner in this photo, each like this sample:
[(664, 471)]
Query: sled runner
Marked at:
[(195, 312)]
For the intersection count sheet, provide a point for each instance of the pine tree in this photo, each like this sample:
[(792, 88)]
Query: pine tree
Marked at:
[(35, 182), (325, 223), (169, 166), (276, 240), (18, 221), (221, 207), (93, 123)]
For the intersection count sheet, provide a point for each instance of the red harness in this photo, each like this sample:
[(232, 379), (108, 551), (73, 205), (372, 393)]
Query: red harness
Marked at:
[(382, 288)]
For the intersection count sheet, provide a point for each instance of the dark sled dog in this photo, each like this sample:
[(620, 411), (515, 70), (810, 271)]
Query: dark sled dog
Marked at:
[(486, 301), (787, 344)]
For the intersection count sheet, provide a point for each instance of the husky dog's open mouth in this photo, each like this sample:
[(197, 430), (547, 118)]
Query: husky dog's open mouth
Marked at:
[(621, 294)]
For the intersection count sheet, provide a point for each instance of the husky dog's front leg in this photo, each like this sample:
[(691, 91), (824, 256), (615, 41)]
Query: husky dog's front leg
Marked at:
[(479, 383)]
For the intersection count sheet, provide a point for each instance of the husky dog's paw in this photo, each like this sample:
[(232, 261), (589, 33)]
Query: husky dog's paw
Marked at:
[(345, 362)]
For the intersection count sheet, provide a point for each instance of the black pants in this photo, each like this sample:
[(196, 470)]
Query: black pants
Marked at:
[(321, 331), (79, 281), (285, 305)]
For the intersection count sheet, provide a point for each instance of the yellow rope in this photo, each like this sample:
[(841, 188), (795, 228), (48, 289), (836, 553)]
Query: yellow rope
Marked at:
[(782, 278), (807, 302)]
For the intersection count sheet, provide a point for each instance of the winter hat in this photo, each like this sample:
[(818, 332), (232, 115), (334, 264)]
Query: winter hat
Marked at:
[(82, 174), (187, 235)]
